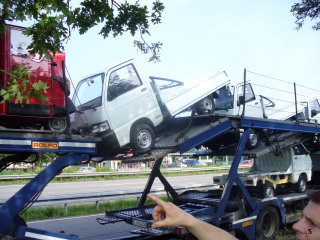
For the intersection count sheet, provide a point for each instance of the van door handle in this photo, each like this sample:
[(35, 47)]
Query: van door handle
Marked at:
[(143, 89)]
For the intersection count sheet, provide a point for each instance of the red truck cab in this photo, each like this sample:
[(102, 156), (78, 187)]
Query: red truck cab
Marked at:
[(51, 114)]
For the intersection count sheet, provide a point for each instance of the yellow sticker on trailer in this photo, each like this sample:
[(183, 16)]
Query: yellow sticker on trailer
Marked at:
[(246, 224), (45, 145)]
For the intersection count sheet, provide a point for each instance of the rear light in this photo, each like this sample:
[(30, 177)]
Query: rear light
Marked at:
[(180, 231), (68, 86), (59, 57), (249, 181), (216, 180)]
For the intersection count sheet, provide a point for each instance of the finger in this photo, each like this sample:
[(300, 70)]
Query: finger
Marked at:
[(157, 213), (163, 223), (157, 200)]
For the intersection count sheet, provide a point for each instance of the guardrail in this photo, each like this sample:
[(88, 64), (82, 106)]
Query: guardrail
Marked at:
[(106, 196), (70, 175)]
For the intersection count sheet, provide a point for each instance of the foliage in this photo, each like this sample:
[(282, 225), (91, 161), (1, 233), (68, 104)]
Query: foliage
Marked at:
[(20, 88), (55, 19), (307, 9)]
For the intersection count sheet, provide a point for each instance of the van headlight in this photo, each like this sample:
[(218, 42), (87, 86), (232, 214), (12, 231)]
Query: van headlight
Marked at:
[(101, 127)]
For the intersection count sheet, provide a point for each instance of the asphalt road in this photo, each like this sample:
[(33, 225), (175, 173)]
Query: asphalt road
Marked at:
[(6, 191), (86, 227)]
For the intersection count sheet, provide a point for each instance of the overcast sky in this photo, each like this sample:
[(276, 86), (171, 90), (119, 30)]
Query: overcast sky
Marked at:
[(204, 36)]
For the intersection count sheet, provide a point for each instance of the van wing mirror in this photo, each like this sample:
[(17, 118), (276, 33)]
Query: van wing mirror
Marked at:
[(240, 100)]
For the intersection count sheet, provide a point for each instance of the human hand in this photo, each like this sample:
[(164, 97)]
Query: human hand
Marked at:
[(166, 214)]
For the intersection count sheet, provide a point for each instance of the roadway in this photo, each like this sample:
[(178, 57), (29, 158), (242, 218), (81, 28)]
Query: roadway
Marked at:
[(86, 227), (52, 189)]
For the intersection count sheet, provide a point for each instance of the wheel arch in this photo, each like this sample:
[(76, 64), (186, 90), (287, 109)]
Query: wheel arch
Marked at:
[(142, 120), (275, 204)]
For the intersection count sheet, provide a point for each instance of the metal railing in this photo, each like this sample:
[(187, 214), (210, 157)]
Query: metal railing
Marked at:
[(96, 198), (92, 174)]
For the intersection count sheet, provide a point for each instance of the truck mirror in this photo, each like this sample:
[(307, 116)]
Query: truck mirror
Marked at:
[(240, 100)]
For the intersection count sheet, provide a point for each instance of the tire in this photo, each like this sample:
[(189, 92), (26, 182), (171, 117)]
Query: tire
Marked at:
[(205, 106), (142, 137), (267, 224), (57, 124), (253, 140), (301, 185), (267, 190)]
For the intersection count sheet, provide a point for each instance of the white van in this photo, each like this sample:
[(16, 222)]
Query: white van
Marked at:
[(122, 107)]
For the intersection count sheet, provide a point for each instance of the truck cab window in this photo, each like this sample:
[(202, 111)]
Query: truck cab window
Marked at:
[(315, 107), (19, 45), (122, 80)]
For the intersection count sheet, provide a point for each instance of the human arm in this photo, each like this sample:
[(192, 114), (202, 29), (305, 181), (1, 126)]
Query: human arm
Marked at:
[(166, 214)]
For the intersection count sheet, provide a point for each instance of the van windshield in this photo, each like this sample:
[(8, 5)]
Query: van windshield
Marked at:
[(88, 92)]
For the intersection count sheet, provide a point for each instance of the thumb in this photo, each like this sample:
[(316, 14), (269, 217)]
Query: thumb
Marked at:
[(159, 224)]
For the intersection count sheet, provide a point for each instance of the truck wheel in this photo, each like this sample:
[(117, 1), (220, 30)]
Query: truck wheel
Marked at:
[(142, 137), (301, 184), (57, 124), (253, 140), (267, 224), (267, 190), (205, 106)]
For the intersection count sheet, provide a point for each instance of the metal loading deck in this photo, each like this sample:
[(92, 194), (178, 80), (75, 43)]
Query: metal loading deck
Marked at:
[(219, 207)]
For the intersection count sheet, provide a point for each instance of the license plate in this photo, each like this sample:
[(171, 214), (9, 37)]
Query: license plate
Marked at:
[(139, 223)]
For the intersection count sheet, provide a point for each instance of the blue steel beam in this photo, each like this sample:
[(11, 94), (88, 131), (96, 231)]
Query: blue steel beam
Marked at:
[(233, 175), (205, 136), (283, 126), (11, 208), (31, 144)]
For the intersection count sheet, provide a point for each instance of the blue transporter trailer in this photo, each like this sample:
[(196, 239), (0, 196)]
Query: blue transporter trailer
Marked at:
[(233, 208), (20, 144)]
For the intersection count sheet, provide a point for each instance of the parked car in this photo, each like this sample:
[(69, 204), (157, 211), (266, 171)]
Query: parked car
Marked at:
[(86, 170), (179, 165), (190, 162), (246, 163)]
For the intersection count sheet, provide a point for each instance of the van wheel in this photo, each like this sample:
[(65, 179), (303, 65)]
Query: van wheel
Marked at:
[(267, 224), (253, 140), (267, 190), (57, 124), (205, 106), (142, 137), (301, 185)]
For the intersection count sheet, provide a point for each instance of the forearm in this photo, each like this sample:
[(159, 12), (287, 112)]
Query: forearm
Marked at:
[(205, 231)]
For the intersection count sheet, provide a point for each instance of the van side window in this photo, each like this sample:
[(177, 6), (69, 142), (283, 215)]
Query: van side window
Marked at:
[(249, 92), (123, 80), (89, 92), (299, 149), (225, 99)]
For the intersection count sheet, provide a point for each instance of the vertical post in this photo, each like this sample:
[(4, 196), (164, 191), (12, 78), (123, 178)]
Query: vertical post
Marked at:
[(97, 205), (66, 94), (65, 211), (244, 92), (295, 100)]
